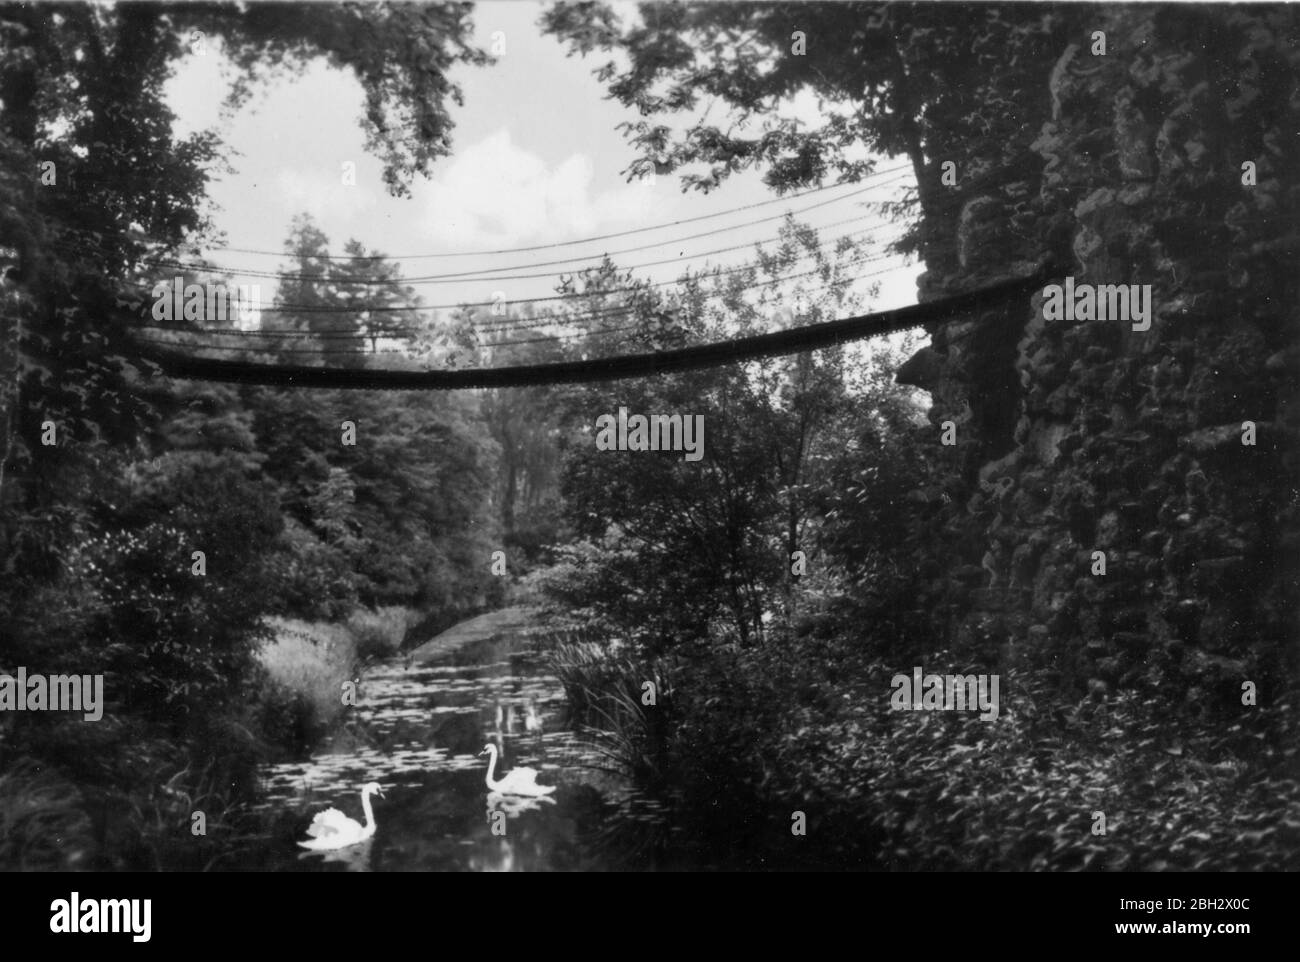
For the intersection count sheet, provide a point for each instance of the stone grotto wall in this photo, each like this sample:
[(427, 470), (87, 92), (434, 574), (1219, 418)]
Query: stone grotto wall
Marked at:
[(1075, 437)]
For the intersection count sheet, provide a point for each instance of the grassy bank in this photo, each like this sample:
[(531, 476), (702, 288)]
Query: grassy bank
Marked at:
[(307, 664), (125, 793)]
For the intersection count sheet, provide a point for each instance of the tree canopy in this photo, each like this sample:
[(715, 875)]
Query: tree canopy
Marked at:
[(890, 79)]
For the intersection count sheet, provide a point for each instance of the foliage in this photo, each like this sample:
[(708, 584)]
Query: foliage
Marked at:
[(924, 81), (667, 546), (946, 791), (380, 633), (97, 531), (191, 636), (310, 662), (600, 583), (605, 684), (313, 578), (526, 428), (42, 825), (403, 515)]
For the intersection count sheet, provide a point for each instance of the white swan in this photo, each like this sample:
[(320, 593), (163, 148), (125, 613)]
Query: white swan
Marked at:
[(520, 781), (332, 829)]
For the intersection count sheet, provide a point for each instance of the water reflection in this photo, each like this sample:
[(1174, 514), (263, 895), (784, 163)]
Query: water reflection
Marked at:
[(354, 858), (512, 806), (419, 731)]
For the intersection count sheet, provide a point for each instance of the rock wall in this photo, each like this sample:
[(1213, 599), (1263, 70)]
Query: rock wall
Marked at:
[(1086, 436)]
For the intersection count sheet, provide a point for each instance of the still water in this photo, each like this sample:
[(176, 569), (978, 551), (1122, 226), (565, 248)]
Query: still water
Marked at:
[(419, 732)]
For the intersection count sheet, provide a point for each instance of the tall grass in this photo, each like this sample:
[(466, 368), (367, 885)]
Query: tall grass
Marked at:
[(151, 821), (42, 824), (380, 633), (309, 662), (606, 687)]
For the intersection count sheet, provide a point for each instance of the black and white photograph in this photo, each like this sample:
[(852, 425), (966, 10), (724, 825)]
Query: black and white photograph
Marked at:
[(670, 437)]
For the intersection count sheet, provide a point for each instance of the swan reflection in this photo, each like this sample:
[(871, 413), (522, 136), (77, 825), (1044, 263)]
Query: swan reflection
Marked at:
[(515, 805), (355, 858)]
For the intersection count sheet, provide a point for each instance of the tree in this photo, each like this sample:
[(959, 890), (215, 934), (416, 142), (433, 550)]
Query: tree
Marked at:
[(916, 80), (371, 286), (340, 302), (96, 195), (124, 193), (683, 540), (527, 424)]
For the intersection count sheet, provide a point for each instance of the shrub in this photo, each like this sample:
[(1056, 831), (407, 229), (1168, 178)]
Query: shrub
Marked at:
[(380, 633), (177, 637), (947, 791), (42, 824), (308, 663), (617, 588), (314, 579), (606, 688)]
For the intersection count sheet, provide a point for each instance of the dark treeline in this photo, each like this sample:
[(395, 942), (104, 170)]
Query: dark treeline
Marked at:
[(114, 479)]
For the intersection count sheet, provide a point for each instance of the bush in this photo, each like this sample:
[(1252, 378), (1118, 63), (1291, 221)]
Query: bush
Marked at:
[(943, 791), (380, 633), (307, 664), (605, 684), (178, 637), (42, 824), (314, 579), (617, 587)]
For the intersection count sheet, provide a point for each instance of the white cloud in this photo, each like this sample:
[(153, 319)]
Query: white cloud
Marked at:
[(497, 194)]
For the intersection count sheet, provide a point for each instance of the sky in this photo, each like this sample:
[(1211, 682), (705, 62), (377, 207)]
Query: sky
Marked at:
[(537, 160)]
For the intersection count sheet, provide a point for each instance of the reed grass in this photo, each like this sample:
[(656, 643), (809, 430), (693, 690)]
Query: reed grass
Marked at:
[(43, 826), (379, 633), (311, 660), (605, 684)]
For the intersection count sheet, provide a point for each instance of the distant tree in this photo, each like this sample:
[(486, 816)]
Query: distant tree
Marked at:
[(339, 302), (527, 424), (371, 286)]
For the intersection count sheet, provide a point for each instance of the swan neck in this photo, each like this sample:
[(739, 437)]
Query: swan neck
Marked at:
[(492, 764), (365, 805)]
